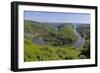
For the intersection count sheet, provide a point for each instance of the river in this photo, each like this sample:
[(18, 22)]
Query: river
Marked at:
[(80, 41), (78, 44), (39, 41)]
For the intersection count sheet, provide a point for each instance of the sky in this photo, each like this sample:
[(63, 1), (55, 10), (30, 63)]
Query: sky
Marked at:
[(57, 17)]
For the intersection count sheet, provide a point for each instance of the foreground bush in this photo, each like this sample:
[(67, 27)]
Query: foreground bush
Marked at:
[(34, 52)]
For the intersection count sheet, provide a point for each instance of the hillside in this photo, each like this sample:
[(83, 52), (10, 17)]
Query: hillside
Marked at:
[(57, 42), (33, 28), (67, 30)]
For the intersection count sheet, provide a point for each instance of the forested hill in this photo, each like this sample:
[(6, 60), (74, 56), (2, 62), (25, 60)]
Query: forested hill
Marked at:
[(32, 28), (57, 42), (37, 26), (67, 30)]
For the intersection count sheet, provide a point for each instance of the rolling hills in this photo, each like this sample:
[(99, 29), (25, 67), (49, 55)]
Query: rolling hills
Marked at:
[(59, 42)]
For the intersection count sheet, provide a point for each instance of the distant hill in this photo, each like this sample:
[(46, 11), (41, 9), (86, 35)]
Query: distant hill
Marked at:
[(32, 28)]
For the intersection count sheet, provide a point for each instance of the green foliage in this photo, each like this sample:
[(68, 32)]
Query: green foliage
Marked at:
[(86, 49), (67, 32), (33, 29), (57, 42), (85, 32), (34, 52), (64, 36), (68, 53)]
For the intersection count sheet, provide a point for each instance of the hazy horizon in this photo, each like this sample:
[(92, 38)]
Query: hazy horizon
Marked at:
[(57, 17), (58, 22)]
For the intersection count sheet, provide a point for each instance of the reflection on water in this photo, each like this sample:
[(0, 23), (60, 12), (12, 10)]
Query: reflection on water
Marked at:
[(39, 41)]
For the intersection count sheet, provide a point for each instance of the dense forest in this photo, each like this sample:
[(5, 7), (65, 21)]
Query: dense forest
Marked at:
[(45, 41)]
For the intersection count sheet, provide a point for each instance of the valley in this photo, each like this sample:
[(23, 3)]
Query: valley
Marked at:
[(55, 41)]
